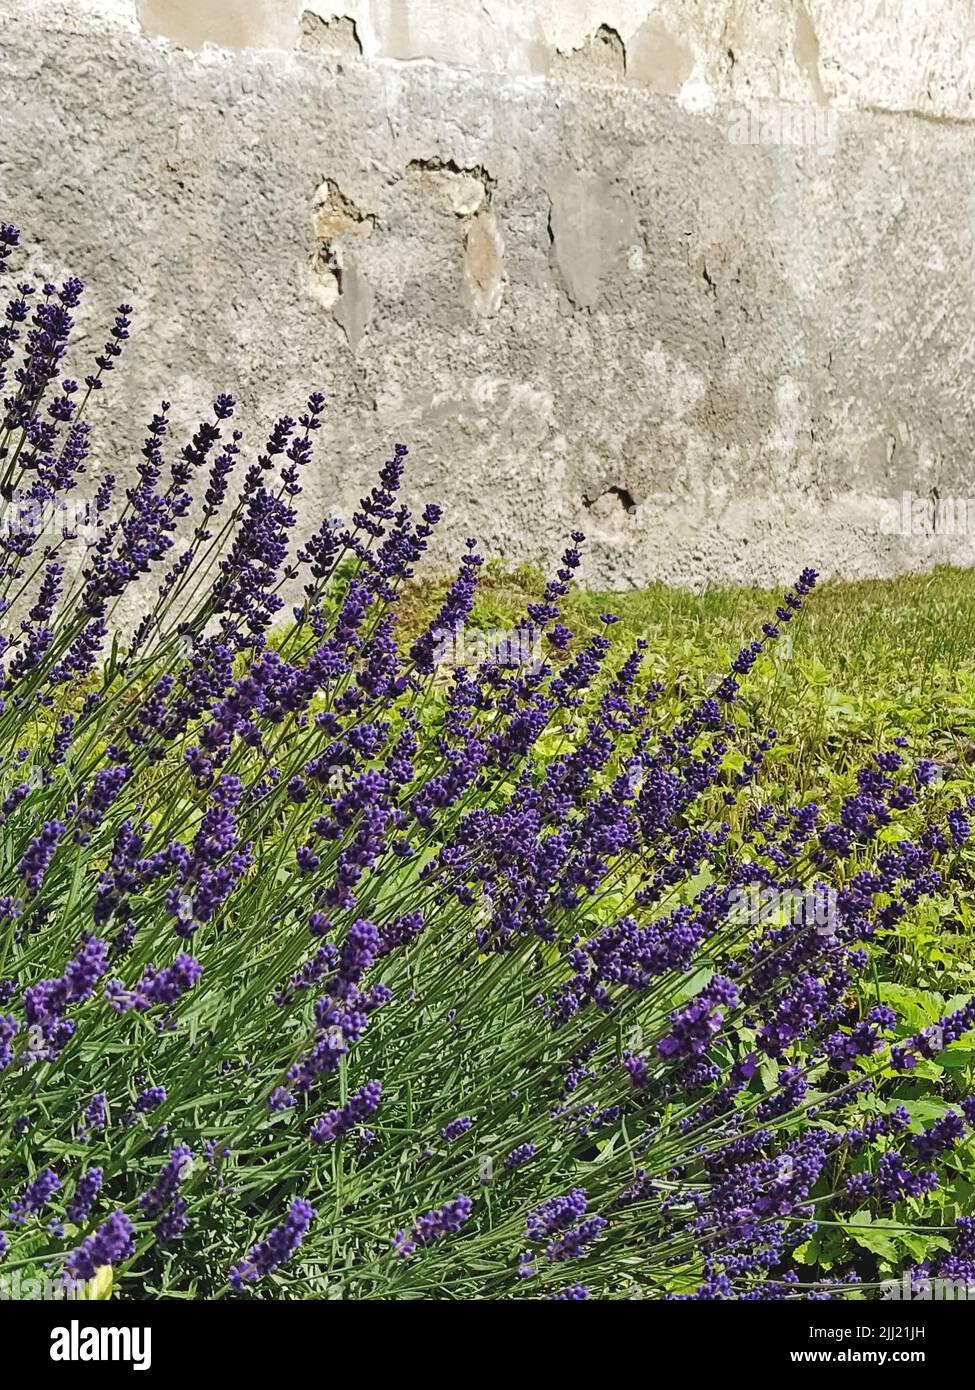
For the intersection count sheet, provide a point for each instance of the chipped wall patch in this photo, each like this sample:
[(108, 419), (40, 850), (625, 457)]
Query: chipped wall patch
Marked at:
[(338, 281), (338, 35), (601, 58), (592, 224), (468, 192), (484, 262)]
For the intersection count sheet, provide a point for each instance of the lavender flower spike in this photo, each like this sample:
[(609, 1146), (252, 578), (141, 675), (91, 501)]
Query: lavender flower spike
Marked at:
[(280, 1245)]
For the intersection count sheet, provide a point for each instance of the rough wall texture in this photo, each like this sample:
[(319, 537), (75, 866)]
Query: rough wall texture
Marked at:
[(695, 275)]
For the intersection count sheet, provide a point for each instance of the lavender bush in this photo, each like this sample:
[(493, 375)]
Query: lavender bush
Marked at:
[(326, 972)]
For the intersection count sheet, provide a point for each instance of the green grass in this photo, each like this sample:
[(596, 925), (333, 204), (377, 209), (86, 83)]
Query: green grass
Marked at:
[(869, 659)]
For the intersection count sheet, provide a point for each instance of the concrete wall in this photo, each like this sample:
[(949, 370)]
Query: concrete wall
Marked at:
[(694, 275)]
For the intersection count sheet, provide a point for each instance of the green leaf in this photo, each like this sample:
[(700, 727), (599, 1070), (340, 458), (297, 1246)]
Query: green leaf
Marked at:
[(878, 1242)]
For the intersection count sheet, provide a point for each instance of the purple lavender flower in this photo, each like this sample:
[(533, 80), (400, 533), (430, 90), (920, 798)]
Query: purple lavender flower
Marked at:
[(556, 1214), (46, 1002), (360, 1105), (576, 1241), (86, 1190), (95, 1113), (39, 853), (8, 1031), (636, 1067), (524, 1153), (36, 1195), (693, 1029), (280, 1099), (166, 1187), (156, 986), (111, 1244), (433, 1225), (172, 1224), (279, 1246), (149, 1098), (456, 1128), (939, 1137)]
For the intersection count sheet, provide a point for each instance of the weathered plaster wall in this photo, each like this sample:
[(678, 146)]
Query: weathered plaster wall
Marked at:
[(527, 239)]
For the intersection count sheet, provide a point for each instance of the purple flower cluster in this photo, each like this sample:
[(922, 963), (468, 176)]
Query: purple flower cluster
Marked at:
[(360, 1105), (280, 1245), (556, 1214), (112, 1243), (433, 1225), (166, 1186), (45, 1002), (86, 1190), (9, 1028), (156, 986), (575, 1242), (456, 1128), (523, 1154), (38, 855), (149, 1098), (95, 1115), (693, 1030), (36, 1195)]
